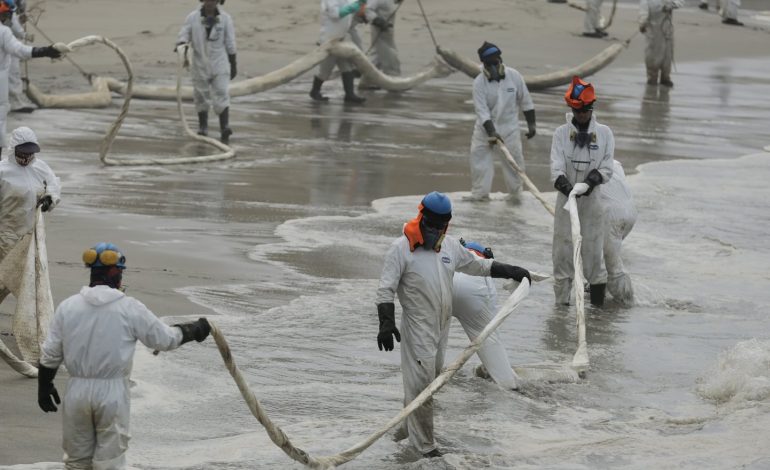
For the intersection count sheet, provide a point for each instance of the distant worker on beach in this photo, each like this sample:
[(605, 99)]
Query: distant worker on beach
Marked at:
[(728, 10), (591, 26), (582, 155), (656, 23), (499, 93), (12, 47), (336, 19), (210, 32), (17, 98), (94, 334), (381, 15)]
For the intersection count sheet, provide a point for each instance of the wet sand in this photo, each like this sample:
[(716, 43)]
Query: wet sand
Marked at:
[(195, 225)]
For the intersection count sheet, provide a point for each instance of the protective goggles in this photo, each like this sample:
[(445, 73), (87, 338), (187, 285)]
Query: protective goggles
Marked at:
[(107, 257)]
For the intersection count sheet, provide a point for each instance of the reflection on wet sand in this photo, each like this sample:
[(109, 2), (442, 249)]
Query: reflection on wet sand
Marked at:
[(654, 112)]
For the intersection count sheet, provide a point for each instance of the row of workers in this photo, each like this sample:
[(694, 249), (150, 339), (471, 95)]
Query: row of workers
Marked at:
[(210, 31), (428, 292)]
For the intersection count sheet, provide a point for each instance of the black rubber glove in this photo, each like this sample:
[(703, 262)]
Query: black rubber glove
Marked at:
[(47, 51), (563, 185), (380, 23), (593, 178), (46, 392), (197, 330), (492, 134), (531, 123), (178, 44), (387, 314), (233, 66), (508, 271), (45, 203)]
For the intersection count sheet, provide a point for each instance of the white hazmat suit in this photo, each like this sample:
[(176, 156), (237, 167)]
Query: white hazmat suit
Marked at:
[(21, 187), (384, 51), (334, 27), (423, 281), (621, 217), (16, 97), (9, 47), (729, 9), (574, 162), (500, 102), (94, 334), (656, 20), (210, 63), (474, 304), (592, 18)]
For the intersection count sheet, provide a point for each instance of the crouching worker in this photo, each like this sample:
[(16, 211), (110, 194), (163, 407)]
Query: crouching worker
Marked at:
[(94, 334), (419, 266)]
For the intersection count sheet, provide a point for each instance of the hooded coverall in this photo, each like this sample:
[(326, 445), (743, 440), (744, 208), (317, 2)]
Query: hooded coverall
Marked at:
[(729, 9), (500, 102), (474, 304), (210, 63), (9, 47), (384, 51), (423, 281), (621, 217), (657, 17), (21, 187), (16, 96), (592, 17), (334, 27), (94, 334), (574, 162)]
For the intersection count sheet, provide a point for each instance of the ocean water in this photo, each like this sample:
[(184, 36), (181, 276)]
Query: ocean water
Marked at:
[(679, 380)]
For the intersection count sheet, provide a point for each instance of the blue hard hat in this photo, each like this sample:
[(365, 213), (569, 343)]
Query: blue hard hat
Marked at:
[(437, 203), (104, 254)]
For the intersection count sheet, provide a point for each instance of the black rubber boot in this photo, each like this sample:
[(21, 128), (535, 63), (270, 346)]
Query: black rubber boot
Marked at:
[(350, 90), (597, 294), (224, 126), (315, 92), (203, 123)]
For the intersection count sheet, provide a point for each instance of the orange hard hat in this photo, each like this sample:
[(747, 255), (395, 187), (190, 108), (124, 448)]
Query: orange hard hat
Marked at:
[(5, 7), (579, 94)]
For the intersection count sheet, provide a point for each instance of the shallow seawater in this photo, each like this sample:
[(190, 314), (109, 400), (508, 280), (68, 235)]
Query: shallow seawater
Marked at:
[(679, 380)]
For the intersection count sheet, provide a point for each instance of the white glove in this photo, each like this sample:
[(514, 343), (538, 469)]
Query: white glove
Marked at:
[(579, 188)]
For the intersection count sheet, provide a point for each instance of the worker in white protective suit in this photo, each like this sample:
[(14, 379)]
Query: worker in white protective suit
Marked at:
[(621, 217), (210, 32), (336, 21), (419, 267), (592, 18), (26, 182), (656, 23), (12, 47), (728, 10), (94, 333), (381, 15), (499, 93), (474, 304), (582, 155), (19, 103)]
